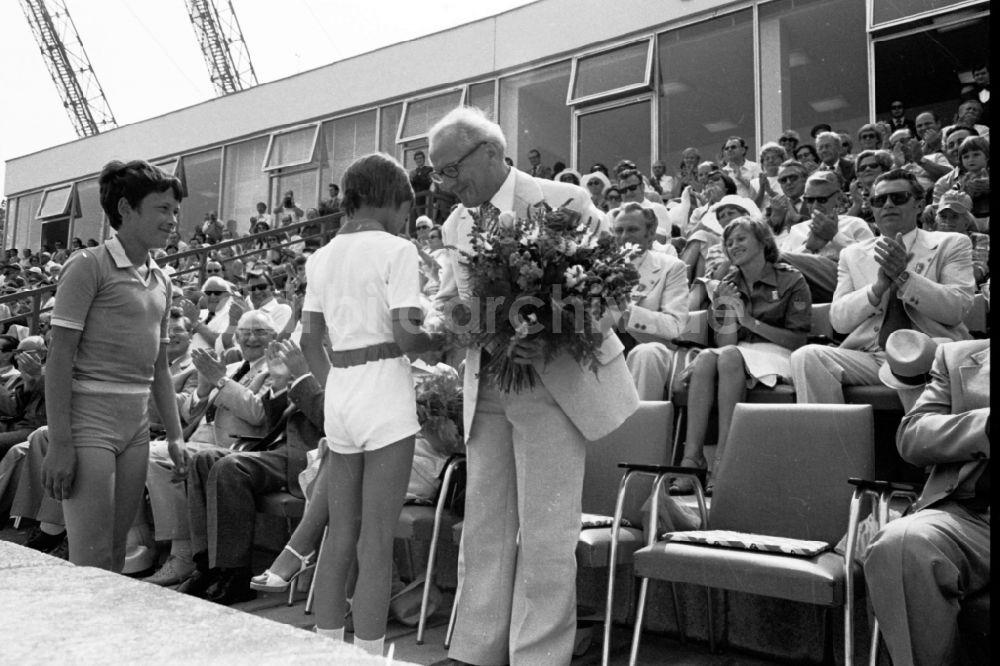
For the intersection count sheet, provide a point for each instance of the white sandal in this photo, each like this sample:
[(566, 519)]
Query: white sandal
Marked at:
[(272, 582)]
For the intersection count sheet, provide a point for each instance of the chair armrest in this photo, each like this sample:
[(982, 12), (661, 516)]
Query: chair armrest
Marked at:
[(700, 474)]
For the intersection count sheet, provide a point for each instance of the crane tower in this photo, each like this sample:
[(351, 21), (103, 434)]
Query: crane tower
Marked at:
[(69, 66), (222, 44)]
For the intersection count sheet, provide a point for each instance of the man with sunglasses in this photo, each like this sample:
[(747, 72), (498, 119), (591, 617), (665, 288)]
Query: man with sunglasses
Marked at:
[(813, 245), (526, 451), (905, 278), (787, 208), (897, 118), (260, 287)]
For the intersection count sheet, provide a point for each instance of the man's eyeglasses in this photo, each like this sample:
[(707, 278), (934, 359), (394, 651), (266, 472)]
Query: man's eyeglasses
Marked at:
[(897, 199), (735, 146), (868, 135), (214, 293), (628, 188), (896, 106), (790, 178), (818, 200), (451, 170), (259, 287), (614, 197), (869, 166), (213, 270), (259, 332)]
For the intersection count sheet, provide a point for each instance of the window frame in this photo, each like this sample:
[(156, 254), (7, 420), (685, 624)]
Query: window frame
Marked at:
[(463, 91), (67, 208), (645, 85), (288, 130)]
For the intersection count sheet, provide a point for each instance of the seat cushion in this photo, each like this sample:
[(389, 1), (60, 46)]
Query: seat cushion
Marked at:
[(881, 398), (815, 580), (281, 504), (594, 546)]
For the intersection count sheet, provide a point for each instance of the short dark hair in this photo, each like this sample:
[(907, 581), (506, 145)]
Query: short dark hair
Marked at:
[(820, 127), (8, 343), (902, 174), (761, 231), (419, 153), (807, 146), (376, 180), (133, 181), (628, 173), (728, 183), (260, 275), (647, 214), (177, 314)]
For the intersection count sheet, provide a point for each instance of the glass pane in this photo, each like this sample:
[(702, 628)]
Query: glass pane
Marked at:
[(10, 223), (421, 114), (533, 114), (884, 11), (814, 66), (931, 70), (168, 165), (245, 182), (346, 140), (56, 202), (29, 230), (481, 96), (303, 187), (607, 136), (201, 172), (611, 70), (389, 127), (90, 224), (291, 148), (704, 98), (55, 230)]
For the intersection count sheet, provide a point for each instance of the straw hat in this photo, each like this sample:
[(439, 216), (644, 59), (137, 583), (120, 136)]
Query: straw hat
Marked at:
[(909, 355)]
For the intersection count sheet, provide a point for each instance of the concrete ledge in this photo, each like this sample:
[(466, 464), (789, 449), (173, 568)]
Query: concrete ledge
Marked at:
[(52, 611)]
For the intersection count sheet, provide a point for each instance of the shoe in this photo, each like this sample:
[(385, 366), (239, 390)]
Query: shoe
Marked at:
[(39, 540), (174, 571), (231, 588), (684, 485), (199, 581), (139, 561), (62, 550), (272, 582)]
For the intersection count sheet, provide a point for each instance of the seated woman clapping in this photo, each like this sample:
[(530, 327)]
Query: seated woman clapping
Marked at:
[(761, 311)]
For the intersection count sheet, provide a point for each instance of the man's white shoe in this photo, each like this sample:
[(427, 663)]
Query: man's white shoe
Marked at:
[(173, 571)]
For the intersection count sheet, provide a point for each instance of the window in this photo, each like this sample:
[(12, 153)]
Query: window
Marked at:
[(533, 114), (419, 115), (614, 71), (813, 67), (346, 139), (10, 224), (90, 224), (304, 191), (389, 127), (29, 231), (706, 87), (615, 132), (201, 173), (244, 183), (292, 147), (886, 11), (482, 96), (56, 202)]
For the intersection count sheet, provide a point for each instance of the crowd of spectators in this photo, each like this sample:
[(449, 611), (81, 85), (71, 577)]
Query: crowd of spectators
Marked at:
[(888, 222)]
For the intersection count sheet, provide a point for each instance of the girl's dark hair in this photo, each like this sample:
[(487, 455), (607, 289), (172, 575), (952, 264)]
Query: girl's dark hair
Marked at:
[(375, 180), (810, 148), (133, 181)]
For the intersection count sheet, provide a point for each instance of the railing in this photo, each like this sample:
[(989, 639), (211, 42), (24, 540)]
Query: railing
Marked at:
[(319, 229)]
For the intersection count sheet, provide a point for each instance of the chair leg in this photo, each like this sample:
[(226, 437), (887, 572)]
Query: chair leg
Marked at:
[(451, 622), (639, 612), (873, 650), (675, 448), (432, 554), (678, 614), (312, 585)]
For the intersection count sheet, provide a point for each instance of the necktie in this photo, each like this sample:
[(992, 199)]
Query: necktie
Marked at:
[(240, 374), (489, 217), (894, 319), (211, 315)]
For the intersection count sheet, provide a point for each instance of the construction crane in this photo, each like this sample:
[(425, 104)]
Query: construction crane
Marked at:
[(222, 44), (69, 66)]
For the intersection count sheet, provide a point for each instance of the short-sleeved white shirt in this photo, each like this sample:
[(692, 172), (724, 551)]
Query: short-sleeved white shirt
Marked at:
[(356, 280)]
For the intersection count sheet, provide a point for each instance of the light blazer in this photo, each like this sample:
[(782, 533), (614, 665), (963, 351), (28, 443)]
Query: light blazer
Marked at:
[(596, 403), (240, 409), (937, 296), (660, 300), (946, 427)]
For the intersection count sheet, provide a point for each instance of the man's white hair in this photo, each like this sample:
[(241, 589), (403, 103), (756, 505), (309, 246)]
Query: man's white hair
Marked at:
[(468, 126), (260, 315), (828, 135)]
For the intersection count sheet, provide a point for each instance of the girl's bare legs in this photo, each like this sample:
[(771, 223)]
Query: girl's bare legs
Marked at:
[(341, 476), (701, 397), (306, 537), (732, 390)]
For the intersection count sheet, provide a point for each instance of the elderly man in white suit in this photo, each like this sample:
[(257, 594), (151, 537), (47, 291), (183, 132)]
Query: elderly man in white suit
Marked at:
[(658, 311), (526, 451)]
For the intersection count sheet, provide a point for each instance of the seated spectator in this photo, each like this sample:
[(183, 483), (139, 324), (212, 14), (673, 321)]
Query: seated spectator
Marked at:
[(432, 261), (813, 246), (222, 483), (905, 148), (771, 157), (661, 181), (787, 208), (708, 229), (869, 137), (597, 184), (828, 147), (422, 227), (761, 312), (571, 176), (709, 186), (870, 164), (906, 278), (789, 140), (631, 186), (658, 310), (22, 394), (969, 113), (687, 171), (728, 209), (846, 145), (897, 118), (260, 286), (612, 197), (229, 402), (807, 156), (974, 153), (954, 214), (921, 567), (954, 135), (929, 153), (8, 371), (745, 174)]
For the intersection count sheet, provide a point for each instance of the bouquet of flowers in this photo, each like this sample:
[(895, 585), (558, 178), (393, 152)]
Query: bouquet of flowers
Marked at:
[(439, 409), (545, 276)]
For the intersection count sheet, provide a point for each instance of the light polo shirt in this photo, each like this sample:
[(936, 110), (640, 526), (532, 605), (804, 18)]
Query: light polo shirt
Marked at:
[(121, 316), (850, 230)]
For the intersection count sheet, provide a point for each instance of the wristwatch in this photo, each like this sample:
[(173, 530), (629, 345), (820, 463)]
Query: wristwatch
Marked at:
[(222, 382), (902, 278)]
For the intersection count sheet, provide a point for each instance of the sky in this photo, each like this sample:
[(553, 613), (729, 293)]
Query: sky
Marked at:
[(147, 59)]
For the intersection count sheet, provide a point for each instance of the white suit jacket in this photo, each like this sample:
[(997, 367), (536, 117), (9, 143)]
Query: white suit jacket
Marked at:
[(239, 407), (660, 300), (937, 296), (596, 403)]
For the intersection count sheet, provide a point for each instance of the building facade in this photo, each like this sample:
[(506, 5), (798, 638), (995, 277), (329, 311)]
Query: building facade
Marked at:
[(582, 81)]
